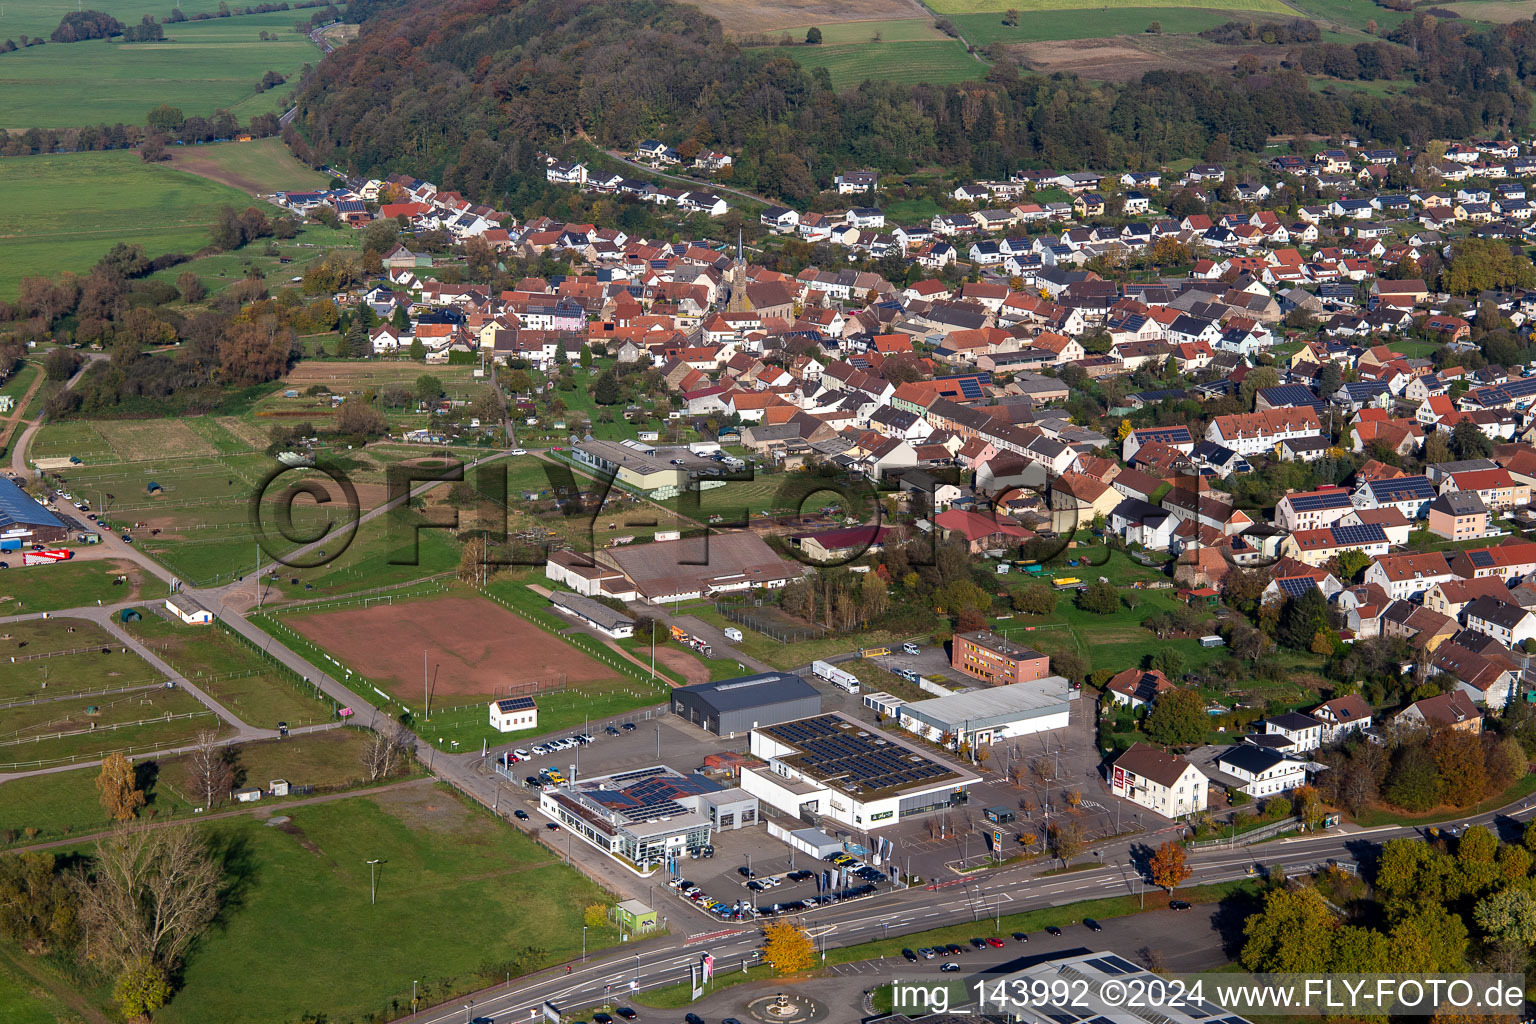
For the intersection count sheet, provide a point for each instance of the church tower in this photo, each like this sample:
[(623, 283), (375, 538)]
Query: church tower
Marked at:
[(739, 303)]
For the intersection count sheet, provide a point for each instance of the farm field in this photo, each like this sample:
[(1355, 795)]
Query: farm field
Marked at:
[(231, 672), (41, 17), (40, 588), (937, 62), (200, 67), (1128, 57), (1044, 24), (770, 16), (1353, 14), (1091, 10), (262, 166), (890, 31), (66, 803), (114, 196), (1500, 12)]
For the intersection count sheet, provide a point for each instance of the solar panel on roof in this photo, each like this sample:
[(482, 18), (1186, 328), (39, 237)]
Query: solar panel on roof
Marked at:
[(1295, 586), (1369, 534), (1481, 559), (1318, 502), (970, 388), (514, 704)]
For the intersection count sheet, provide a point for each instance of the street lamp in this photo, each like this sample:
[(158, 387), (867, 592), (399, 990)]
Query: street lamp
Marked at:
[(373, 890), (413, 995), (466, 1010), (583, 943)]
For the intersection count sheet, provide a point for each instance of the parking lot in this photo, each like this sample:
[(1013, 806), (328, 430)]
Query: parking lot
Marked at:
[(1039, 778)]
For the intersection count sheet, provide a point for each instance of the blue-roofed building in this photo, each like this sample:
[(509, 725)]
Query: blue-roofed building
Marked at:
[(22, 516)]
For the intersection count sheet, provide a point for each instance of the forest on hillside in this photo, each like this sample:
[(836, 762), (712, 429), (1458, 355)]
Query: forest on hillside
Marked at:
[(468, 92)]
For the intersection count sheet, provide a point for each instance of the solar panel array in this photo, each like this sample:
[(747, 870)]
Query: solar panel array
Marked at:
[(507, 704), (1316, 502), (1403, 489), (1164, 434), (832, 752), (1481, 558), (1371, 533), (1295, 586)]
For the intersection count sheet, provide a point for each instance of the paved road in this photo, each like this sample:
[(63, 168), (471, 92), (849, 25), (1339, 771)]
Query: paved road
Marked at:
[(702, 184), (665, 961)]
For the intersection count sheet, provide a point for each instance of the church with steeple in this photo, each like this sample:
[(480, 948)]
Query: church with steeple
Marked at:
[(739, 303)]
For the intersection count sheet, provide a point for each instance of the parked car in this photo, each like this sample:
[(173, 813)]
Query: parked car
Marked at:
[(995, 943), (950, 967), (552, 826), (1020, 937), (1051, 929), (926, 953), (978, 943), (626, 1013), (1179, 905), (520, 814), (910, 956), (1093, 925)]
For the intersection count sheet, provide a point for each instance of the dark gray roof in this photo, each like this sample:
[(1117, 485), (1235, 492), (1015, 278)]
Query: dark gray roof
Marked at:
[(750, 691), (1293, 720), (1499, 613), (1251, 759), (593, 611)]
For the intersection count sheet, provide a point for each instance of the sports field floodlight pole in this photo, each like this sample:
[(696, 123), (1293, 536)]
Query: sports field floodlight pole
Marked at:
[(373, 891)]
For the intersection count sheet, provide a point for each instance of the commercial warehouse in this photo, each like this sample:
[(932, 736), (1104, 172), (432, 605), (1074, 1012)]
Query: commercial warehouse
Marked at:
[(833, 767), (983, 717), (728, 707)]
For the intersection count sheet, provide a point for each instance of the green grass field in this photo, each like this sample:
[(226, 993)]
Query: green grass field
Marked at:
[(937, 62), (261, 166), (34, 663), (201, 67), (912, 211), (1048, 24), (305, 915), (67, 803), (1092, 11), (219, 270), (232, 673), (845, 32), (1352, 14), (22, 1000), (40, 588), (114, 197), (41, 17)]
